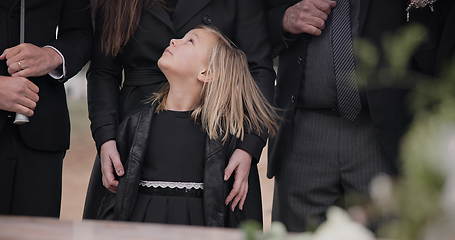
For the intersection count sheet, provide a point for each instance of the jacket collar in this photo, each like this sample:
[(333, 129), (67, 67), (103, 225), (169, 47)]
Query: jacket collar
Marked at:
[(184, 11), (160, 13)]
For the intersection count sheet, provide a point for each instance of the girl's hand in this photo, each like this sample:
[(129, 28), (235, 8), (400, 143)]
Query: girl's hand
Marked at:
[(240, 162), (110, 160)]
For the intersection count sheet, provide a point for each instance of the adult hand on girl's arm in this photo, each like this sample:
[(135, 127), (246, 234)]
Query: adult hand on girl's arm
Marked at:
[(110, 161), (240, 162)]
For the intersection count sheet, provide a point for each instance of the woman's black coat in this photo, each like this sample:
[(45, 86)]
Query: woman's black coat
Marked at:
[(110, 99)]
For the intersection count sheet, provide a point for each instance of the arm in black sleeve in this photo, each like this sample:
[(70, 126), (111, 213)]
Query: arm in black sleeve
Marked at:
[(279, 38), (252, 37), (103, 90), (74, 40)]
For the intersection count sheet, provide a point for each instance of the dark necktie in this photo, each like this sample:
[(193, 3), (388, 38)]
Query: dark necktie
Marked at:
[(349, 104)]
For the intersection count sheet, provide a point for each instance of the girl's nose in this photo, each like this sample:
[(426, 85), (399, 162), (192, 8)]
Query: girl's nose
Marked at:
[(173, 42)]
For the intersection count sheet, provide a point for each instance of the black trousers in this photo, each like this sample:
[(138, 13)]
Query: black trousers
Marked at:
[(332, 160), (30, 180)]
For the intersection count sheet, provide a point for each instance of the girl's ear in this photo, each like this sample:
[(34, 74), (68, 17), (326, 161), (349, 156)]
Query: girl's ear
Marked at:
[(203, 76)]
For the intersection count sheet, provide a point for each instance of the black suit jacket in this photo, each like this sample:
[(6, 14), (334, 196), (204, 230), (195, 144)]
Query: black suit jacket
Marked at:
[(49, 128), (109, 99), (388, 106)]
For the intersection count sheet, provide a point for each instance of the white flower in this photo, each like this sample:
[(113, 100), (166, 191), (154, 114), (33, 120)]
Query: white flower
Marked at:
[(381, 192), (339, 226)]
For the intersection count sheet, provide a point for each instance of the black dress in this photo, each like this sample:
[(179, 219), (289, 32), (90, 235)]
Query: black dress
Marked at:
[(174, 165)]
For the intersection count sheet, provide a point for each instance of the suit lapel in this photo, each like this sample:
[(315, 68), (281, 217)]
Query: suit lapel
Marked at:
[(186, 9), (364, 8), (160, 13)]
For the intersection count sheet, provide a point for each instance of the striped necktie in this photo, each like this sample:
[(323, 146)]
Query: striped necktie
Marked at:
[(349, 104)]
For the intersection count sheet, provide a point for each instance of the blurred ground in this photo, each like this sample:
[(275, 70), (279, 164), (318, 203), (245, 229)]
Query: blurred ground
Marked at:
[(79, 159)]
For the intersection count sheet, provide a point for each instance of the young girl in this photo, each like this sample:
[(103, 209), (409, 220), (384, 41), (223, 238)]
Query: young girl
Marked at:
[(176, 150)]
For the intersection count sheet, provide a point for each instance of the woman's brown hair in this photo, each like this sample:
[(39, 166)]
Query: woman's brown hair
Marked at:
[(120, 19)]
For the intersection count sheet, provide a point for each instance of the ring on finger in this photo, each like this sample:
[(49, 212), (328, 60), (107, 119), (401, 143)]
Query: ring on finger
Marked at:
[(20, 65)]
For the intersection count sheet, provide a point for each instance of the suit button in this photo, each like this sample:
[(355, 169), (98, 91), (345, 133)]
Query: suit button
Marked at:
[(292, 99), (207, 20), (300, 60)]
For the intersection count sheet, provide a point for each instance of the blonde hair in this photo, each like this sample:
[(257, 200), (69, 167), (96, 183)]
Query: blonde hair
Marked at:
[(231, 102)]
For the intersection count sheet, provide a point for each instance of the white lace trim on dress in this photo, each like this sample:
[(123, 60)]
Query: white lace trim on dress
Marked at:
[(179, 185)]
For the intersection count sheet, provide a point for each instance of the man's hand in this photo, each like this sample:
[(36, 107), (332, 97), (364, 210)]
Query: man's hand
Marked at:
[(28, 60), (307, 16), (110, 161), (240, 163), (18, 95)]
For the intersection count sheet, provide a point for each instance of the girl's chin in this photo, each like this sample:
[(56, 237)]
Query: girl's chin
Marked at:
[(163, 64)]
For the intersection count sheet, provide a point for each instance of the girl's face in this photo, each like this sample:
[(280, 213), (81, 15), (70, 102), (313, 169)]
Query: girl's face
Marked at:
[(188, 58)]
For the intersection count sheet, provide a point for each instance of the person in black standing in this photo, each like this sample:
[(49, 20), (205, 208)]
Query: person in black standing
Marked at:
[(335, 137), (31, 82), (176, 148), (323, 151), (134, 49)]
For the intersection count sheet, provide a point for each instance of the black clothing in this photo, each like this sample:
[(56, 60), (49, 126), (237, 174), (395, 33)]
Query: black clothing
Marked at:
[(317, 157), (330, 159), (439, 47), (31, 171), (49, 128), (375, 18), (168, 209), (175, 153), (175, 149), (110, 101), (31, 180), (133, 134), (170, 8)]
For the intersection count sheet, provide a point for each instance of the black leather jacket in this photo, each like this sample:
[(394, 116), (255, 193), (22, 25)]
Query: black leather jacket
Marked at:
[(131, 143)]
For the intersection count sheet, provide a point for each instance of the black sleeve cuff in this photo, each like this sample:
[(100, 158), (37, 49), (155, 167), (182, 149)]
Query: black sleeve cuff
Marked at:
[(104, 134), (280, 38), (252, 144)]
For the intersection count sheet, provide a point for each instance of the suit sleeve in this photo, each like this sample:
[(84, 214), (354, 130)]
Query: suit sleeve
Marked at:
[(74, 40), (104, 78), (279, 38), (252, 37)]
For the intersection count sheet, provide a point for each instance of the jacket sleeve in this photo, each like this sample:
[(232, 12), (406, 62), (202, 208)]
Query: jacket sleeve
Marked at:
[(251, 36), (74, 40), (104, 78), (279, 39)]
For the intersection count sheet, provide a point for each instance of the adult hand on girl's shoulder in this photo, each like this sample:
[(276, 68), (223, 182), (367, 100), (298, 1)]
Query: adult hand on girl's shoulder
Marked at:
[(240, 162), (110, 161)]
